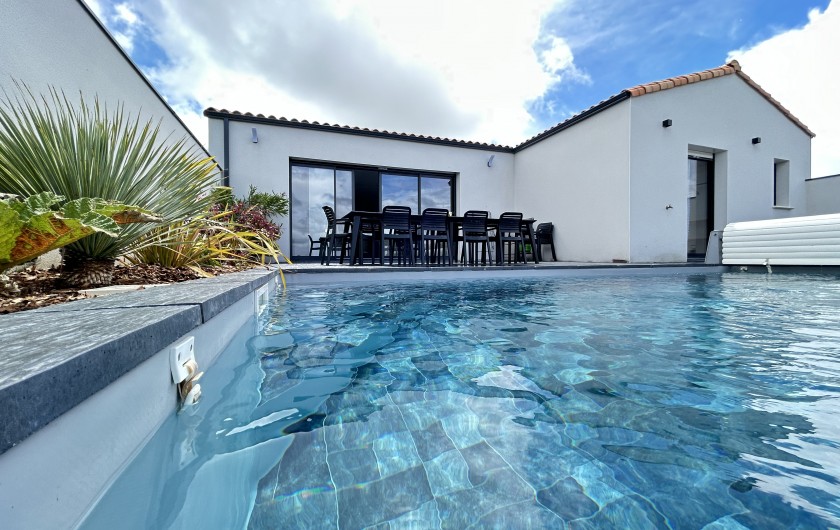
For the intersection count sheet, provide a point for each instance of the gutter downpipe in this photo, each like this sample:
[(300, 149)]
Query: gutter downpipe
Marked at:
[(226, 169)]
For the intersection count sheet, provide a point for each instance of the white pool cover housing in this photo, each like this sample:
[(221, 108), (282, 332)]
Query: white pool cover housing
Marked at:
[(813, 240)]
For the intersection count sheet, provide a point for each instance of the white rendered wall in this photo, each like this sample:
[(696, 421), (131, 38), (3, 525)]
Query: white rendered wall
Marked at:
[(823, 195), (57, 43), (723, 115), (577, 179), (266, 164)]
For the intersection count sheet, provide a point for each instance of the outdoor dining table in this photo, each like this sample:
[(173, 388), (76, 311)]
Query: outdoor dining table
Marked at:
[(357, 218)]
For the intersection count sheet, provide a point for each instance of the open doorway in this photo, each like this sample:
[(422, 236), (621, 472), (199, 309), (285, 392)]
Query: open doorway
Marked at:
[(701, 206)]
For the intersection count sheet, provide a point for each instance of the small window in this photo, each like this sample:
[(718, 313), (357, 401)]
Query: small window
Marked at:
[(781, 182)]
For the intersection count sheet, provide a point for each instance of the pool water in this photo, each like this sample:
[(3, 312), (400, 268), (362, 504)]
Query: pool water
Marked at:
[(703, 401)]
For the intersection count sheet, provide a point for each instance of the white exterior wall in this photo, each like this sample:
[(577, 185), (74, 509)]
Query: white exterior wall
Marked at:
[(577, 179), (823, 195), (722, 114), (57, 43), (266, 164)]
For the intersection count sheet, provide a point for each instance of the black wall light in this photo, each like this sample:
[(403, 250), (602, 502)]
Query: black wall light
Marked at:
[(667, 123), (756, 140)]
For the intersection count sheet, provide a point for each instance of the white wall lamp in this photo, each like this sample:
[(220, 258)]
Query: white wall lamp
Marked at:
[(756, 140), (254, 138), (490, 160)]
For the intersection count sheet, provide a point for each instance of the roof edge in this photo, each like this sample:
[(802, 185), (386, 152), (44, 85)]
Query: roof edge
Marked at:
[(733, 67), (346, 129), (136, 68), (591, 111), (766, 95)]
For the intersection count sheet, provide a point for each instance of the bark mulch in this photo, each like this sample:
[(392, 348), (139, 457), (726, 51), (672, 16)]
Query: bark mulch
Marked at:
[(41, 288)]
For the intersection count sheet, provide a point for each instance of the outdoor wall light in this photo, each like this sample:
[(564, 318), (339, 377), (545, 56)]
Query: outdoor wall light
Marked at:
[(254, 137), (667, 123), (756, 140), (490, 160)]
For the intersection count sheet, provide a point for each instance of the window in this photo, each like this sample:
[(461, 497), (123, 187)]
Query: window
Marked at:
[(781, 183), (435, 192), (399, 190), (348, 188), (312, 188)]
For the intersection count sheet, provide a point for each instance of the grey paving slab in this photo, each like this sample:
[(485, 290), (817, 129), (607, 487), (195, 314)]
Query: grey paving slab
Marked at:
[(50, 362), (212, 297)]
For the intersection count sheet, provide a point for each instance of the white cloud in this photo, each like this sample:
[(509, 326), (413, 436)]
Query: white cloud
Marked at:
[(96, 7), (460, 69), (125, 41), (125, 14), (799, 68), (559, 61)]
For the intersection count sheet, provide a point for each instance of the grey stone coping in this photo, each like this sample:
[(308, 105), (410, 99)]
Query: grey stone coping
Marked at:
[(56, 357)]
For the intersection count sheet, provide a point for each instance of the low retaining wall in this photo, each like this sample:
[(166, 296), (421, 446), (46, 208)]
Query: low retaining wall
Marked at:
[(84, 384)]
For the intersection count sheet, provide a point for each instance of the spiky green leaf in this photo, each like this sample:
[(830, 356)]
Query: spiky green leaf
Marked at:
[(83, 149)]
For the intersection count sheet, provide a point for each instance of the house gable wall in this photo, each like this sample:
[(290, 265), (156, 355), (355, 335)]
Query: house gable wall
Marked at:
[(577, 179), (723, 114)]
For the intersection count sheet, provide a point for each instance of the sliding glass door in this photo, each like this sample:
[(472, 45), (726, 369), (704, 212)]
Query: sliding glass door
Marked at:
[(359, 188)]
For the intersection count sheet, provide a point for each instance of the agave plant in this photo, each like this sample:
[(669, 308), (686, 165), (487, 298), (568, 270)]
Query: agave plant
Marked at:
[(86, 150), (34, 226)]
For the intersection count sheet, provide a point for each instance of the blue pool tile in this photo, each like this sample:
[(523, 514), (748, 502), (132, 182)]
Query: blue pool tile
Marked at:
[(303, 467), (501, 487), (395, 452), (384, 499), (353, 466), (425, 517), (462, 429), (526, 515), (567, 499), (624, 512), (305, 509), (432, 441), (448, 472), (482, 460)]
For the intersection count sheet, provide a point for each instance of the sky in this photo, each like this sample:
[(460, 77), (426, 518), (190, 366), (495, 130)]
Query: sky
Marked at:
[(495, 71)]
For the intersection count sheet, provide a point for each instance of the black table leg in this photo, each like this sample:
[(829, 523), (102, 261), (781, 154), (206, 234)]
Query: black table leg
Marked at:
[(354, 240), (533, 244)]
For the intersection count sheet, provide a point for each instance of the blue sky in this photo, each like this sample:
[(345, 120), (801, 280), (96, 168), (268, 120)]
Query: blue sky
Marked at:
[(487, 70)]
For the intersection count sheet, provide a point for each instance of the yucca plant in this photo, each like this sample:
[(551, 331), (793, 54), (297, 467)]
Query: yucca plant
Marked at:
[(86, 150)]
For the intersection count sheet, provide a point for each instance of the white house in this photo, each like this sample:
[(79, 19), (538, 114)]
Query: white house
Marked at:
[(643, 176), (61, 44)]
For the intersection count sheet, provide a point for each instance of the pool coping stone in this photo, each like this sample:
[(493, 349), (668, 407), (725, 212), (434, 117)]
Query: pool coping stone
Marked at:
[(55, 357)]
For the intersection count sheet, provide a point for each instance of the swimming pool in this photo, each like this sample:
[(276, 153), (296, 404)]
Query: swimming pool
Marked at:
[(658, 401)]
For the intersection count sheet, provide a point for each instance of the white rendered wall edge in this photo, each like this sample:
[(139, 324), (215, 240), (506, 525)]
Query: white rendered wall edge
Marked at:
[(56, 475)]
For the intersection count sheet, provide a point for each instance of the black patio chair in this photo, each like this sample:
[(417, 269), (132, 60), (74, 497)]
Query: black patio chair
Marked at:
[(545, 236), (334, 237), (509, 235), (320, 245), (434, 234), (474, 232), (396, 230)]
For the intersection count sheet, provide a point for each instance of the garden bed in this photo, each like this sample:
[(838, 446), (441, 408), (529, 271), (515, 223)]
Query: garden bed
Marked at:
[(41, 288)]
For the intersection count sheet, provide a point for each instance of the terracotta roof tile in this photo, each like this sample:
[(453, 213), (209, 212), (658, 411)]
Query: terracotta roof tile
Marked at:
[(347, 129), (730, 68), (640, 90)]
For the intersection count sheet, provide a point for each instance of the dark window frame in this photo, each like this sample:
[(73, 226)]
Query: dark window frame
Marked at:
[(343, 166)]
